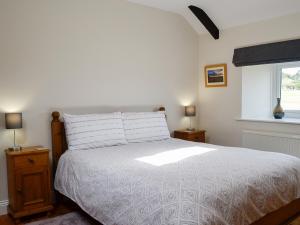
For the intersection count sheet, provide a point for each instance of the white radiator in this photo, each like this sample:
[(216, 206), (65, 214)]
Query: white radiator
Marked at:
[(272, 141)]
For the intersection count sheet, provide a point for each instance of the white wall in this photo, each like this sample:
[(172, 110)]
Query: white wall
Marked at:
[(219, 107), (57, 54)]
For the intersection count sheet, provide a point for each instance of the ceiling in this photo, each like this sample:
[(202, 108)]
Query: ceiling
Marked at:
[(227, 13)]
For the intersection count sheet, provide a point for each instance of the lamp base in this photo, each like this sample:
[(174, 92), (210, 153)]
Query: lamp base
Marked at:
[(15, 148), (190, 129)]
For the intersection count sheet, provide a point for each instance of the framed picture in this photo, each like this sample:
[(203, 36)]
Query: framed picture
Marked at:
[(216, 75)]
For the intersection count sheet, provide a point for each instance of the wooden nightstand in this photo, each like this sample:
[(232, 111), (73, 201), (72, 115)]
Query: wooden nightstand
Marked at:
[(29, 182), (197, 135)]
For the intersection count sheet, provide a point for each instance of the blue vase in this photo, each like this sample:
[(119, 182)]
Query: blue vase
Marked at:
[(278, 110)]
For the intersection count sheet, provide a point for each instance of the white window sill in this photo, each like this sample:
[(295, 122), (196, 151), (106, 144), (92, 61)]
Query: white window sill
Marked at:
[(294, 121)]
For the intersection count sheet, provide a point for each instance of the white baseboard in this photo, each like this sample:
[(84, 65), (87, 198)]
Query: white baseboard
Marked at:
[(3, 207)]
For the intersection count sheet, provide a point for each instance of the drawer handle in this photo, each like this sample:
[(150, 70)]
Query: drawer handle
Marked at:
[(30, 161)]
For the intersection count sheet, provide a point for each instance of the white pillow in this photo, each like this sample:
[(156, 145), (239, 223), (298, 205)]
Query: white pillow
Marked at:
[(145, 126), (90, 131)]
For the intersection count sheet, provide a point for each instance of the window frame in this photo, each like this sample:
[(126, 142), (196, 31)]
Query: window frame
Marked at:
[(277, 82)]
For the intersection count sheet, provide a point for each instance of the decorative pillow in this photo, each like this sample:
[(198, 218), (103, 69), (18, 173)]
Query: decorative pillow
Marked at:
[(94, 130), (145, 126)]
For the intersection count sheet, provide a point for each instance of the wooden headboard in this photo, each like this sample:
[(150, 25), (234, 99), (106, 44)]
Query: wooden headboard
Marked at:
[(59, 141)]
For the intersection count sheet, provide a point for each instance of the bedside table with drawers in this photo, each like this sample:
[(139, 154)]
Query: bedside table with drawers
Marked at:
[(29, 182), (196, 136)]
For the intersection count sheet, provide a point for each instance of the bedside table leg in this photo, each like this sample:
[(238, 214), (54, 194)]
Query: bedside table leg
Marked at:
[(49, 213), (17, 221)]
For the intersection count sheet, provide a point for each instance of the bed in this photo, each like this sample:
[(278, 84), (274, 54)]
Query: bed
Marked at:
[(177, 182)]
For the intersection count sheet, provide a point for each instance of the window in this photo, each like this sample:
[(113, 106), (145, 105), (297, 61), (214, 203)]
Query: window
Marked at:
[(287, 86), (263, 84)]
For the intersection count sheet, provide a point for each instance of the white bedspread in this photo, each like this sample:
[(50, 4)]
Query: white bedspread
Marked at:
[(176, 182)]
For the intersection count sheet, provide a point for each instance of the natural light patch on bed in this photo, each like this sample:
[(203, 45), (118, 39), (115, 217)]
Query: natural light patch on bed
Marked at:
[(174, 156)]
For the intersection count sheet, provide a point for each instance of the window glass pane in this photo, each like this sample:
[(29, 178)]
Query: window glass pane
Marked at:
[(290, 88)]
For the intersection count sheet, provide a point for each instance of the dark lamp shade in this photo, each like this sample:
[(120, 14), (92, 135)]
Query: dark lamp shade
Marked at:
[(190, 110), (13, 120)]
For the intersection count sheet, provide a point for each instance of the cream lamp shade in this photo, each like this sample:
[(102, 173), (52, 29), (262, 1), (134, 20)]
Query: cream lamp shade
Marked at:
[(190, 110), (13, 120)]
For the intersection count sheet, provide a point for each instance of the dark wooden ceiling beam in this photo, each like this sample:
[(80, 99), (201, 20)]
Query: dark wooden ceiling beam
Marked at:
[(206, 21)]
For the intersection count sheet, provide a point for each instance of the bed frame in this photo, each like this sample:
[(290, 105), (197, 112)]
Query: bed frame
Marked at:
[(59, 146)]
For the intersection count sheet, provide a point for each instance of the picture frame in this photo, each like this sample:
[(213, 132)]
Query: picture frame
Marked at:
[(215, 75)]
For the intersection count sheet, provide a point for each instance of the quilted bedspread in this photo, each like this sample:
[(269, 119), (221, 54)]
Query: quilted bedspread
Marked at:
[(175, 182)]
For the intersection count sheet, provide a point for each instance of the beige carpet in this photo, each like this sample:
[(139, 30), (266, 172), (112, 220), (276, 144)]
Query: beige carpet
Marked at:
[(295, 222), (73, 218)]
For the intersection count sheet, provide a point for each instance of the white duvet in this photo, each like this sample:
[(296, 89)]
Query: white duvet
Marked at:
[(176, 182)]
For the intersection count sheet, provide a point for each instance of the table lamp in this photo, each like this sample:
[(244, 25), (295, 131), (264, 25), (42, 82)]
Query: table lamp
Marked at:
[(190, 111), (13, 121)]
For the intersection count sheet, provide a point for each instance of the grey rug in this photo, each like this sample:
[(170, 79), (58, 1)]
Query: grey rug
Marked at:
[(73, 218)]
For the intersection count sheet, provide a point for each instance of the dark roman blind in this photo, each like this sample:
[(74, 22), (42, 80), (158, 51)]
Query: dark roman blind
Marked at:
[(286, 51)]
